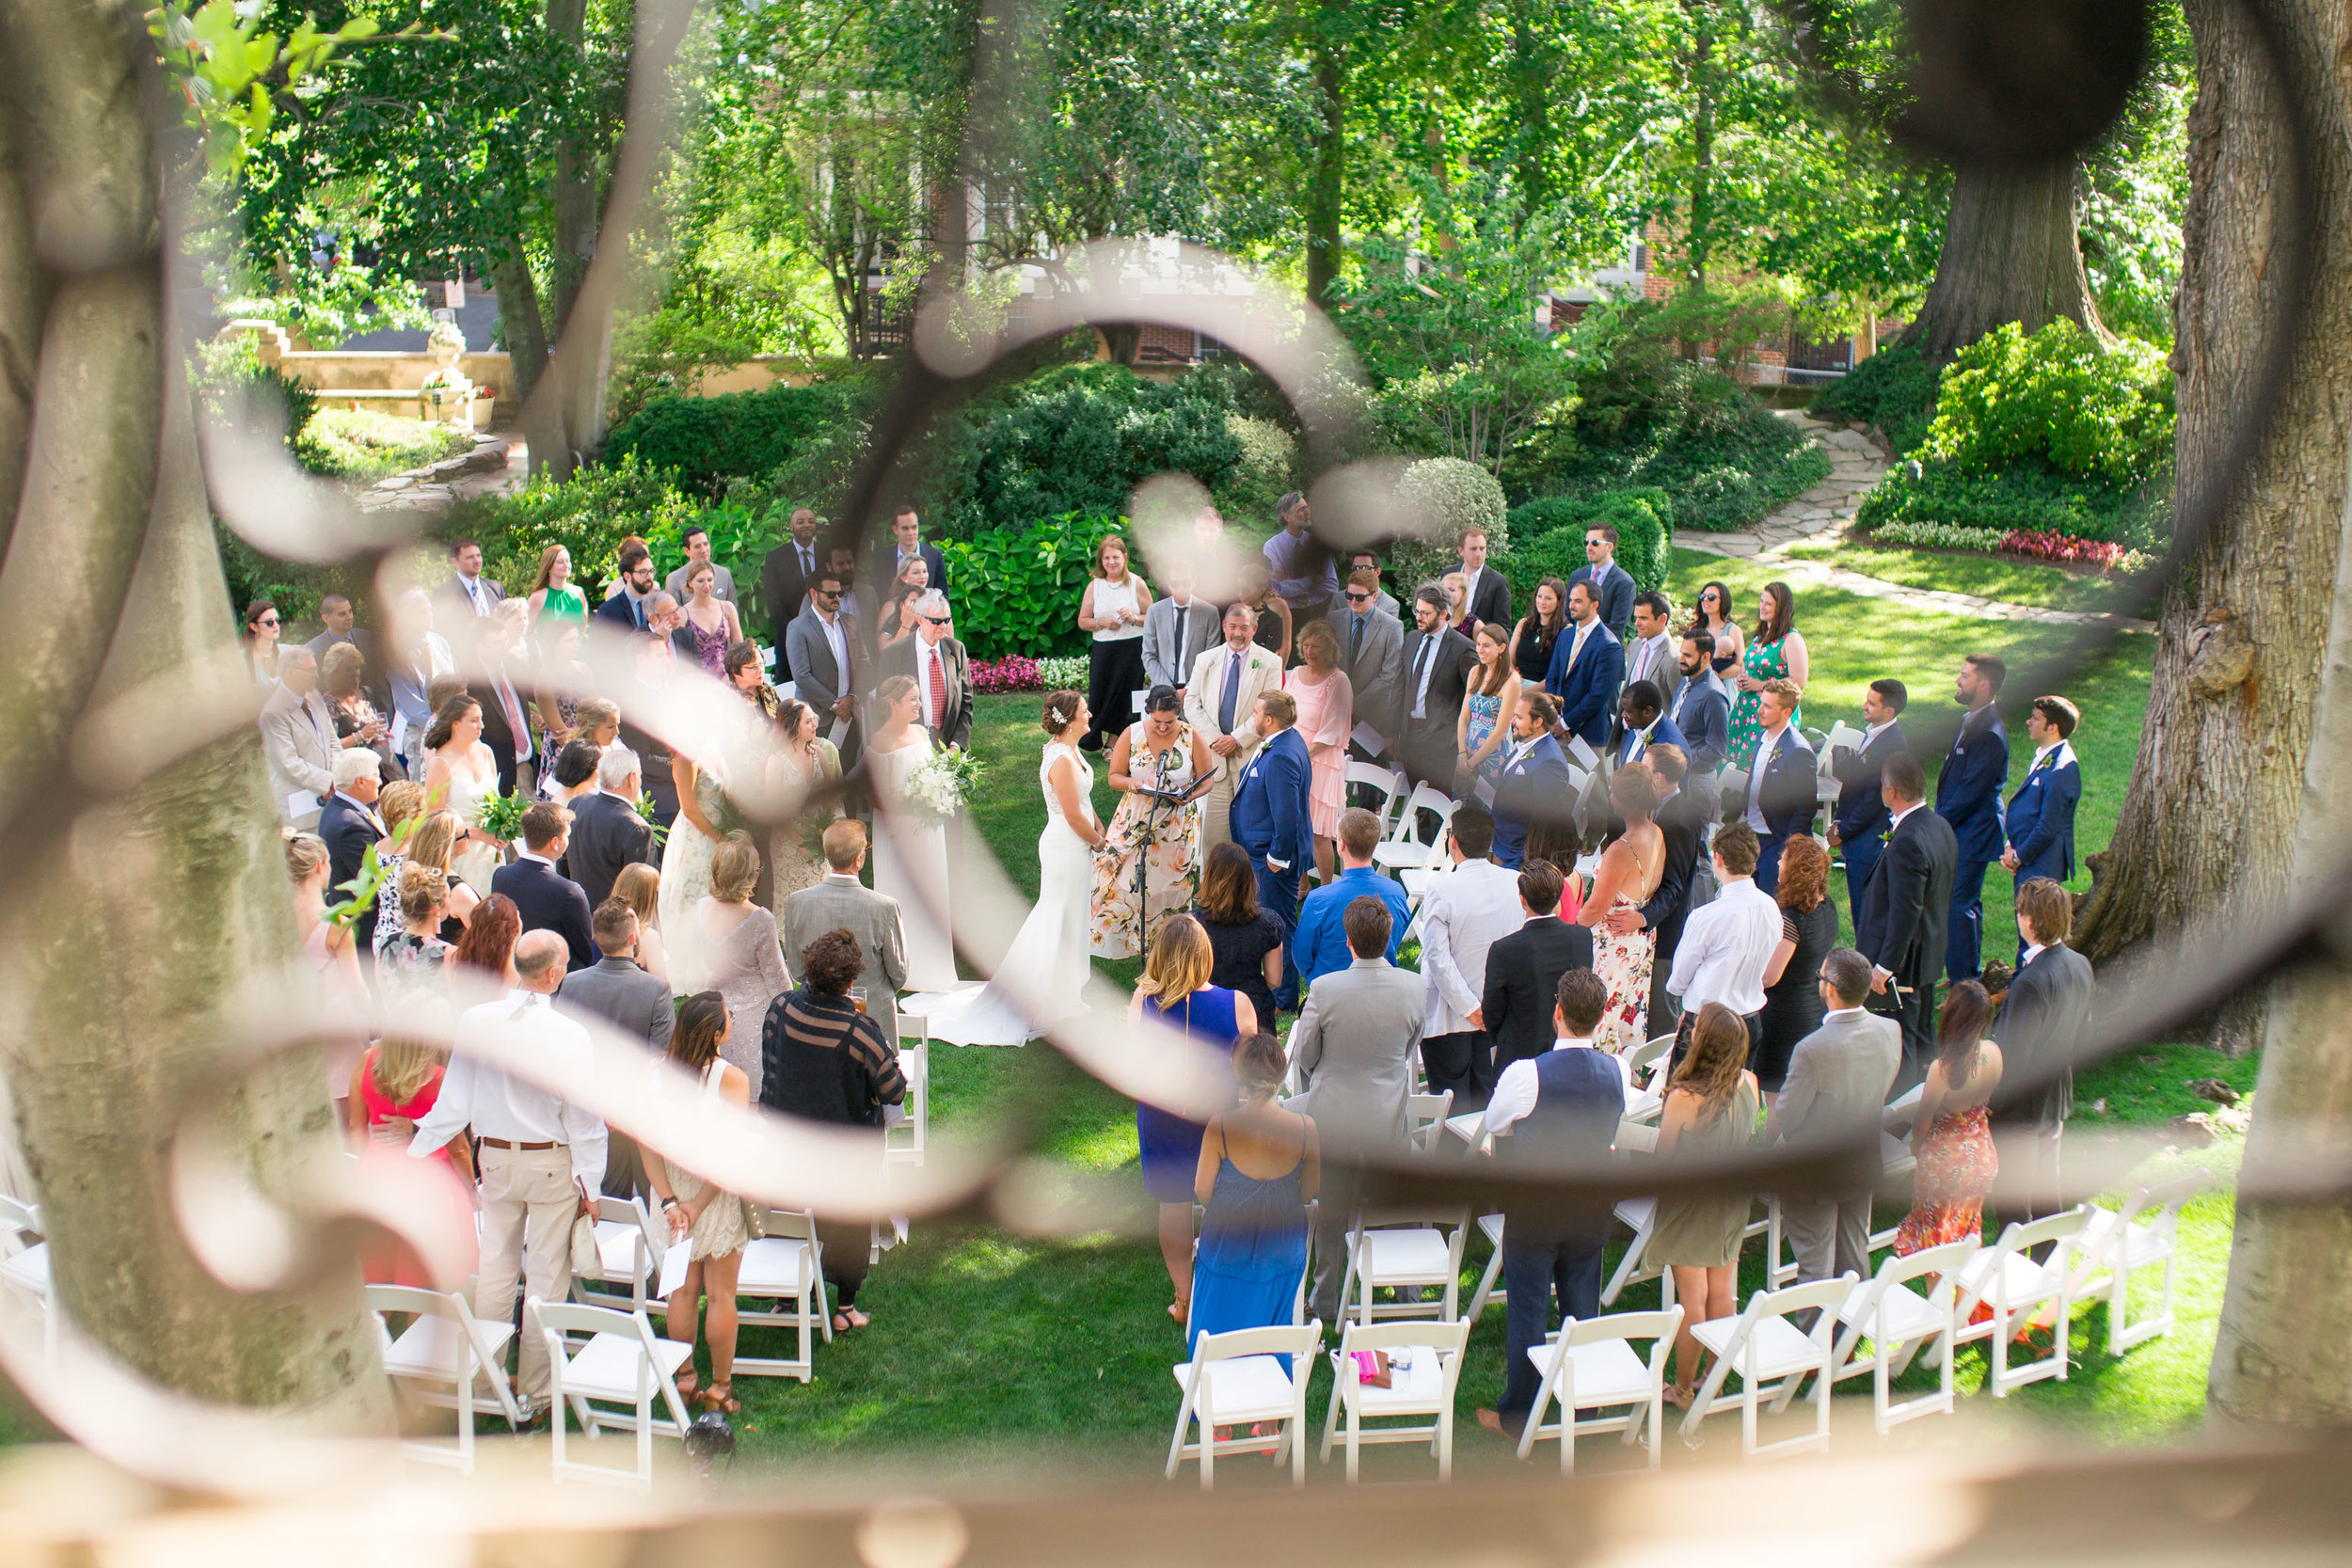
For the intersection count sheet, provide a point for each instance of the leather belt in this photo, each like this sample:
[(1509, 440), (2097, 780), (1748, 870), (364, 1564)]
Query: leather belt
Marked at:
[(501, 1143)]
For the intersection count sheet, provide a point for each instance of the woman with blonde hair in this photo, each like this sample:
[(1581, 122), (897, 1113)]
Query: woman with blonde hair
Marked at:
[(1174, 990), (638, 886), (411, 961), (435, 844), (1711, 1105), (742, 959), (400, 804), (1112, 609), (1327, 711), (396, 1081), (331, 948)]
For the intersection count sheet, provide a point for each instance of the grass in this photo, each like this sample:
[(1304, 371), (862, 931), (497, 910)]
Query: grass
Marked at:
[(344, 443), (1988, 577)]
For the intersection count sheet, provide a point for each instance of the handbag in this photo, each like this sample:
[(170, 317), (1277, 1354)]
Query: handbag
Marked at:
[(585, 1259)]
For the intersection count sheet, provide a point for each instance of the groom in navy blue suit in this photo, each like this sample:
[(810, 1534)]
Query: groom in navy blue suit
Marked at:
[(1535, 782), (2040, 818), (1968, 796), (1270, 820)]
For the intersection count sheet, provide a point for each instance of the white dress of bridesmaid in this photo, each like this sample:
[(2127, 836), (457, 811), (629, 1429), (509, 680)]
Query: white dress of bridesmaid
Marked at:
[(911, 864), (1042, 978)]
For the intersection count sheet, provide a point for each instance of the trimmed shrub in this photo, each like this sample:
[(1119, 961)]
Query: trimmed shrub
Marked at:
[(706, 441), (1267, 468), (1643, 517), (1444, 496), (1554, 554), (1017, 589)]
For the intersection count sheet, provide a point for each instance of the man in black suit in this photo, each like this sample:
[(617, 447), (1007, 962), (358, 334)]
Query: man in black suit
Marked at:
[(1438, 661), (1968, 796), (1488, 591), (348, 823), (1523, 970), (1899, 926), (2041, 1026), (1682, 818), (607, 833), (906, 544), (617, 989), (341, 620), (940, 669), (784, 576), (1612, 586), (505, 722), (1859, 824), (548, 900)]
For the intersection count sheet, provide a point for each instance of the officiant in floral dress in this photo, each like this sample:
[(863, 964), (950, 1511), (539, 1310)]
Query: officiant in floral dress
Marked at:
[(1161, 769)]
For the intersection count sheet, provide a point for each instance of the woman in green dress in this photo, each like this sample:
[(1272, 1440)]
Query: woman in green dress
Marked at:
[(553, 599), (1776, 651)]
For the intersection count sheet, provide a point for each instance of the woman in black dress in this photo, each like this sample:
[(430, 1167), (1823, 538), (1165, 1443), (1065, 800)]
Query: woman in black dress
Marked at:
[(1532, 638), (1246, 939), (1792, 991)]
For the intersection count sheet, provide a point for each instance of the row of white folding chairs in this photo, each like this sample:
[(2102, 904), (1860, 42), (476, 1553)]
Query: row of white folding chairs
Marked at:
[(24, 1265), (782, 1269)]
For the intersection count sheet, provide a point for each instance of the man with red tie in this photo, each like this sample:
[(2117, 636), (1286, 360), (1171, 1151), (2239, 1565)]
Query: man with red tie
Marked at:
[(937, 664)]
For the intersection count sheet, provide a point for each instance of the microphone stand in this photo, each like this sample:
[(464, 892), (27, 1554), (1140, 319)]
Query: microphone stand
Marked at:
[(1155, 798)]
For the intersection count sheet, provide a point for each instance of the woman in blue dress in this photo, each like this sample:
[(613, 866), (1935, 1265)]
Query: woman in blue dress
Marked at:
[(1259, 1166), (1174, 989)]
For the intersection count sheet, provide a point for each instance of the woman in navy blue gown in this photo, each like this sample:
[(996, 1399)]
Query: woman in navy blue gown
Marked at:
[(1175, 990), (1259, 1166)]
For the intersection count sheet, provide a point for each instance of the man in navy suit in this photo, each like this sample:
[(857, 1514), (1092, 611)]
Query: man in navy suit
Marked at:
[(546, 899), (1781, 790), (2040, 823), (906, 545), (1702, 710), (348, 824), (1535, 781), (1899, 925), (1859, 825), (1968, 796), (1587, 668), (631, 609), (1612, 586), (1269, 819), (1643, 724)]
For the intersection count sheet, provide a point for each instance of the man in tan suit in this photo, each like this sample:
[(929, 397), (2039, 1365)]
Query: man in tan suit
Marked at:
[(298, 739), (841, 902), (1219, 704)]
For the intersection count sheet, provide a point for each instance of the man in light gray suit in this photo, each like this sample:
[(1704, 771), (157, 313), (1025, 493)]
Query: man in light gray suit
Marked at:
[(842, 902), (1372, 652), (1352, 1050), (825, 656), (619, 991), (298, 739), (1177, 630), (1835, 1091)]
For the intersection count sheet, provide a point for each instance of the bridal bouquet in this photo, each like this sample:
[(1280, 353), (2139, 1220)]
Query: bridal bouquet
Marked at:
[(939, 784)]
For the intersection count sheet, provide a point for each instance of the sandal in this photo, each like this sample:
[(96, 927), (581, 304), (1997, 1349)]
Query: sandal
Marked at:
[(849, 1318), (1177, 1310), (1680, 1397), (687, 1385), (718, 1397)]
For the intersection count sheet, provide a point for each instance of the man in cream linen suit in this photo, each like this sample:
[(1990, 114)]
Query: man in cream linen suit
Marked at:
[(1221, 703)]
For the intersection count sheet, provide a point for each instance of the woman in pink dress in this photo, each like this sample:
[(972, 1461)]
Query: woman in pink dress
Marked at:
[(1327, 711)]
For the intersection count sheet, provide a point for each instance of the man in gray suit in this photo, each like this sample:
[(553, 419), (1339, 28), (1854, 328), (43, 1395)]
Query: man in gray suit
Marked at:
[(1372, 652), (1353, 1054), (824, 652), (1835, 1091), (298, 739), (842, 902), (1177, 630), (618, 990), (940, 669)]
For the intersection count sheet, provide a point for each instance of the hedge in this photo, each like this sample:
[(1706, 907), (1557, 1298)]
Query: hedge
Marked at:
[(708, 441), (1643, 517), (1016, 589)]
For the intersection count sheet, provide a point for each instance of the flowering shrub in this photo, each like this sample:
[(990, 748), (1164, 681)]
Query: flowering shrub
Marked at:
[(1062, 672), (1940, 536), (1007, 675), (2033, 544)]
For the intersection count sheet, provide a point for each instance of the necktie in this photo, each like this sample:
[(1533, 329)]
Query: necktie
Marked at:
[(1232, 691), (1184, 626), (637, 612), (1420, 675), (1576, 646), (515, 725), (939, 689), (1356, 640), (808, 563)]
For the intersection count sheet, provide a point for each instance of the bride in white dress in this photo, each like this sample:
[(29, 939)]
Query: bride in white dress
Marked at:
[(459, 774), (1042, 978), (910, 847)]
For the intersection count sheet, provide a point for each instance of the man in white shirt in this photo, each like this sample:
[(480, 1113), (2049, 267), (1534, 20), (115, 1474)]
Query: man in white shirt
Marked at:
[(1727, 942), (541, 1156), (697, 542), (1463, 913)]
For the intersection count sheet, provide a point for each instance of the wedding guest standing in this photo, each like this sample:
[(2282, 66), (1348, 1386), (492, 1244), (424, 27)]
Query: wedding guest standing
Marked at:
[(2039, 822), (1465, 910), (638, 886), (1727, 942), (1437, 663), (1221, 707), (1298, 565), (1177, 627), (349, 827), (1776, 652), (940, 668), (1174, 989), (1809, 929), (1260, 1167), (1857, 826), (1276, 622), (257, 642), (1372, 654), (803, 763), (742, 959), (907, 544), (299, 740), (1612, 586), (711, 626), (1783, 781), (1714, 616), (1838, 1079), (1318, 939), (827, 664), (1534, 786), (1161, 768), (2040, 1027), (1112, 609), (1587, 670), (1951, 1133), (1325, 707), (874, 922), (548, 900), (1270, 816), (1631, 869), (1485, 589), (358, 723), (1701, 708), (717, 1222), (1490, 701), (1246, 939), (785, 578), (1709, 1115), (696, 539), (1532, 638), (1968, 796), (1650, 655), (1900, 925), (552, 598), (1524, 970)]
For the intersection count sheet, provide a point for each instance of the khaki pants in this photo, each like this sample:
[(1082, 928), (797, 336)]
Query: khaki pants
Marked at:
[(1216, 826), (528, 1204)]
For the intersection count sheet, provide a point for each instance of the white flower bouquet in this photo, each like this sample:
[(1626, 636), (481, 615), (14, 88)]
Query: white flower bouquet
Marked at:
[(939, 784)]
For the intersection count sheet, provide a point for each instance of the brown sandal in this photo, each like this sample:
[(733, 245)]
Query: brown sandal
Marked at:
[(719, 1397)]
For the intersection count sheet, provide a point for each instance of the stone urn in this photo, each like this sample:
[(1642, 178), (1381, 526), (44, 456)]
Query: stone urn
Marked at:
[(447, 395)]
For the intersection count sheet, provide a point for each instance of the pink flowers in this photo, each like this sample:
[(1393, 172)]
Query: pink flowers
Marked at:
[(1015, 673), (2046, 545)]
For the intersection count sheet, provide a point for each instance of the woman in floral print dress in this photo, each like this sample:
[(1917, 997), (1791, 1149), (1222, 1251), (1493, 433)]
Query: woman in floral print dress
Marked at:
[(1158, 753)]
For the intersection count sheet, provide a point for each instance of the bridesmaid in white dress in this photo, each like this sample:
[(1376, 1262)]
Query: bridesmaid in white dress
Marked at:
[(910, 847), (460, 773), (686, 859), (1042, 978)]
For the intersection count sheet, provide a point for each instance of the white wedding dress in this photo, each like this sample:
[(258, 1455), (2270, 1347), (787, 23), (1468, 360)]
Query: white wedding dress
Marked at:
[(1042, 978), (910, 865), (475, 861)]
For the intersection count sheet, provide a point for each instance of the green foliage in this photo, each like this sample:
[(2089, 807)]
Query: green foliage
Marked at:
[(501, 816), (1894, 389), (2029, 500), (1017, 589), (323, 307), (231, 383), (706, 441), (1643, 517), (589, 514), (1267, 469), (229, 71), (1942, 536), (1441, 497), (363, 446)]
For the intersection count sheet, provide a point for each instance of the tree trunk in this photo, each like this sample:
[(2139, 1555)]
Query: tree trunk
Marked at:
[(139, 921), (527, 346), (1327, 184), (1698, 234), (2010, 254), (2206, 826)]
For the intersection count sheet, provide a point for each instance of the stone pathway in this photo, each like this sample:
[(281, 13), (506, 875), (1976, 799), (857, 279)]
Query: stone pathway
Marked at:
[(1856, 466), (495, 463)]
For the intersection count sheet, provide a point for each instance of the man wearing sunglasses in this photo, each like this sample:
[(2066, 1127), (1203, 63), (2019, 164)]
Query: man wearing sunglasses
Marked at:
[(942, 672), (1372, 652), (825, 654)]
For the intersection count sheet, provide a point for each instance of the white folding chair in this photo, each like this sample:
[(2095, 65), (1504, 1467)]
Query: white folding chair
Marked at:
[(437, 1360), (1634, 1137), (1423, 1387), (628, 1256), (1593, 1366), (1581, 753), (25, 1265), (621, 1364), (1232, 1380), (1387, 782), (1490, 1226), (1841, 737), (1763, 1346), (1650, 1053), (1639, 1215), (1404, 847), (2007, 1279), (903, 1141), (1405, 1249), (2118, 1243), (785, 1264), (1424, 1118), (1899, 1321)]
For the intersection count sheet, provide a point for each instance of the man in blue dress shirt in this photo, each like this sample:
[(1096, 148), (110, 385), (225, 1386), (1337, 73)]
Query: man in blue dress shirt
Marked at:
[(2040, 823), (1269, 819), (1701, 708), (1319, 946), (1613, 587), (1968, 796)]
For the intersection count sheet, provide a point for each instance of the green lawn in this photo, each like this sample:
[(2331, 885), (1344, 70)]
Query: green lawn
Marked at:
[(1988, 577)]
